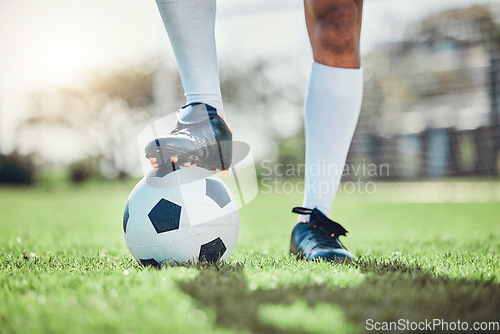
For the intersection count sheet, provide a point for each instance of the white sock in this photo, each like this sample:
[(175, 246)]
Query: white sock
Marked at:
[(331, 113), (190, 26)]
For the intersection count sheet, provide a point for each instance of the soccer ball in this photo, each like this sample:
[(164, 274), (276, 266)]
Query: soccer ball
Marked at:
[(185, 216)]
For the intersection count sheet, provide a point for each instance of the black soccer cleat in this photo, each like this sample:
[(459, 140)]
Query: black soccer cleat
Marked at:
[(318, 238), (201, 138)]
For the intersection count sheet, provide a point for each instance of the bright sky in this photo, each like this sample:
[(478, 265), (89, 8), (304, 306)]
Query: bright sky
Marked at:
[(56, 41)]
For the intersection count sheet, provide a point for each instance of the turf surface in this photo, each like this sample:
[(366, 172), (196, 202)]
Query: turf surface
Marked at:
[(64, 267)]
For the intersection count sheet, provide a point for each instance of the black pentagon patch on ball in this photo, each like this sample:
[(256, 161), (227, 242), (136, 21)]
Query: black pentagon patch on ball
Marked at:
[(217, 192), (126, 216), (149, 263), (165, 216), (212, 251)]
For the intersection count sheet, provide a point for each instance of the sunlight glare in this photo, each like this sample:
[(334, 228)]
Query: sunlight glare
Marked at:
[(62, 61)]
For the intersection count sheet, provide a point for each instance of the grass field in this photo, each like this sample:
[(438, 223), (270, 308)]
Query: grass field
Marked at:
[(64, 268)]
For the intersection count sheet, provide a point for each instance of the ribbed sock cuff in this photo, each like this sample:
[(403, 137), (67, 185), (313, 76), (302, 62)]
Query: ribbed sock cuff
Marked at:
[(345, 82)]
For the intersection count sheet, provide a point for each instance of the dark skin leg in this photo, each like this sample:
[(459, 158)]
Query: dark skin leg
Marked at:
[(334, 28)]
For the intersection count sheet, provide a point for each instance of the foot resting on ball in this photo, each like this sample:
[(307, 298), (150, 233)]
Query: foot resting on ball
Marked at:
[(318, 238), (200, 138)]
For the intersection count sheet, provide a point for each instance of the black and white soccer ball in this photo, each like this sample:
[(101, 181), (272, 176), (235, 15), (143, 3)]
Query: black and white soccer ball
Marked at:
[(185, 216)]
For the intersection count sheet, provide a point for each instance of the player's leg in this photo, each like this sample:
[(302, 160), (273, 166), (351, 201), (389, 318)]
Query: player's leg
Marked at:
[(201, 136), (190, 26), (334, 28), (331, 114)]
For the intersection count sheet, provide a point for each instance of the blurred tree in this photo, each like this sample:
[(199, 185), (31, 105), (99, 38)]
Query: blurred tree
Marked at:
[(83, 170), (267, 92), (476, 24), (105, 113), (109, 109), (16, 169), (420, 87), (264, 103)]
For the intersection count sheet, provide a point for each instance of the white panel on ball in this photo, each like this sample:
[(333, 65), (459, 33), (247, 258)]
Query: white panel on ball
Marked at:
[(181, 216)]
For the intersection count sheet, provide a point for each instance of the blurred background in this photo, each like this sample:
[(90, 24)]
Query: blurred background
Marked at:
[(79, 81)]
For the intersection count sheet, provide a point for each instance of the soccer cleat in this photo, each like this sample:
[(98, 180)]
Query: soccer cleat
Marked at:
[(318, 238), (200, 138)]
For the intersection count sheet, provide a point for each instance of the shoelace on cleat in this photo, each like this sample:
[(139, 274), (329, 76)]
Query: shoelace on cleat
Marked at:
[(324, 228), (322, 221)]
